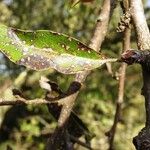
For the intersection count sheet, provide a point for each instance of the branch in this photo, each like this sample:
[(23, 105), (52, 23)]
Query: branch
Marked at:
[(96, 41), (102, 24), (122, 71), (20, 100), (143, 43), (142, 140), (143, 34), (80, 143)]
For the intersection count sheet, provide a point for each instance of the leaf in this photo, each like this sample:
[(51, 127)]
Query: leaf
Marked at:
[(45, 49)]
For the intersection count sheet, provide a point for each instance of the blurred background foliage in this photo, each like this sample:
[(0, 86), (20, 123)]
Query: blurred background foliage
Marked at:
[(27, 127)]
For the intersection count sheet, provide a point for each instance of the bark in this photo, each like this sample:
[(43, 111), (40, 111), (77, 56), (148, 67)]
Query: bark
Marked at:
[(142, 140)]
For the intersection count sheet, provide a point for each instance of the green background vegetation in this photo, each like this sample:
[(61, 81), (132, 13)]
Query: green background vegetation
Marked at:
[(96, 102)]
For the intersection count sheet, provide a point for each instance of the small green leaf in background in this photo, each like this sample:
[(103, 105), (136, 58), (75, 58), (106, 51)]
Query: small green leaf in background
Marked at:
[(45, 49)]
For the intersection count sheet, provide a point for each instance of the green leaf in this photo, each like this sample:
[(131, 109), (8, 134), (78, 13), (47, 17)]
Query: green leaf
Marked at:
[(44, 49)]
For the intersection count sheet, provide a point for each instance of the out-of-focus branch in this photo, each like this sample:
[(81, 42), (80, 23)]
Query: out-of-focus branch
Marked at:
[(95, 43), (122, 72), (142, 140), (20, 100)]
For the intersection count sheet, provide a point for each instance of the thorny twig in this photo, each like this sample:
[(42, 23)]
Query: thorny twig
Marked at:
[(122, 71), (95, 43)]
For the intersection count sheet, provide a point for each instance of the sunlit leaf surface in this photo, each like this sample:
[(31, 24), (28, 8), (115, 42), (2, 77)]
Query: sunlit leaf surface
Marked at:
[(45, 49)]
